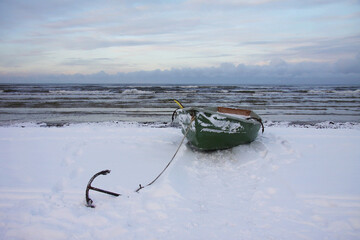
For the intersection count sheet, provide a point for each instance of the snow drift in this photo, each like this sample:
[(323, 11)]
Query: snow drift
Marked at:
[(290, 183)]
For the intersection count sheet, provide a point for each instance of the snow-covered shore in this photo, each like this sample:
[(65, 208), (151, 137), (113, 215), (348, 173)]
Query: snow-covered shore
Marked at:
[(291, 183)]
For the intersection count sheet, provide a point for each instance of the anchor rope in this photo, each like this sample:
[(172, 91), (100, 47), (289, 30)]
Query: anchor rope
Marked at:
[(186, 132)]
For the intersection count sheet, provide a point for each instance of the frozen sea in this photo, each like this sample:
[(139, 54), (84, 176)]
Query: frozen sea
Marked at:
[(62, 104)]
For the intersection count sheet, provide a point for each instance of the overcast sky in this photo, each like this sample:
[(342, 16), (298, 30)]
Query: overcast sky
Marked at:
[(230, 41)]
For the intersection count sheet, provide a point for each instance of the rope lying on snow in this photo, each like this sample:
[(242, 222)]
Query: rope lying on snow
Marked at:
[(89, 201), (187, 130)]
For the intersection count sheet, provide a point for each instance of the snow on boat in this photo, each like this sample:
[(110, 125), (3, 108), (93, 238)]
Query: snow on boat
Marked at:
[(215, 128)]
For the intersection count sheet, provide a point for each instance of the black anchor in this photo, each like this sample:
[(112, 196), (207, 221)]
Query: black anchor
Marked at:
[(89, 202)]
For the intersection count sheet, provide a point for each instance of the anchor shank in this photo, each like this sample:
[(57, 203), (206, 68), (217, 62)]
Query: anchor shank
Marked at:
[(104, 191)]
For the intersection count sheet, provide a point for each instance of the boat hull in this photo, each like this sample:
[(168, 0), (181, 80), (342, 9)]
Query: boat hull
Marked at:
[(210, 129)]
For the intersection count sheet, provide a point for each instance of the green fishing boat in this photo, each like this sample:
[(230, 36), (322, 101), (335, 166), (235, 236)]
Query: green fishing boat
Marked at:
[(215, 128)]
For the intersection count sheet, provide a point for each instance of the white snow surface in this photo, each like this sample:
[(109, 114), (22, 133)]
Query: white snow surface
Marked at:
[(290, 183)]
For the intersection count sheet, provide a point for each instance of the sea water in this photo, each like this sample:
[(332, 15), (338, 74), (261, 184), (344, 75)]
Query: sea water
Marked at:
[(61, 104)]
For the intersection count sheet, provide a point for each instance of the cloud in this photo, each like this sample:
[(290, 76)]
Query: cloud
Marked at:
[(90, 43), (278, 71), (349, 66), (328, 48), (268, 4), (86, 62), (27, 12), (181, 34), (317, 49)]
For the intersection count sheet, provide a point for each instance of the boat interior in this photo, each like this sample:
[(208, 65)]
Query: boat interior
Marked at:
[(243, 112)]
